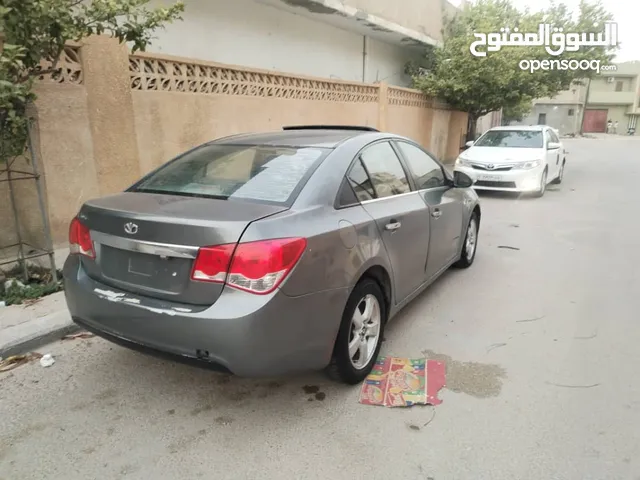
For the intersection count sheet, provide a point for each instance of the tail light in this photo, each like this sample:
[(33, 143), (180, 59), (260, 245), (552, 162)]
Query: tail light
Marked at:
[(255, 267), (80, 239)]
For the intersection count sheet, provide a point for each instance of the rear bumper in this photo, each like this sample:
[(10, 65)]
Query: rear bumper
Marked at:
[(247, 335), (510, 181)]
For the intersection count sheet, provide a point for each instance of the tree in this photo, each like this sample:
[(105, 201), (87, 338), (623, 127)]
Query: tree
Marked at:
[(479, 85), (33, 34), (516, 112)]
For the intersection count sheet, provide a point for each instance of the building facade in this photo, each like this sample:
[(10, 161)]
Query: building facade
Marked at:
[(354, 40), (588, 106), (614, 96)]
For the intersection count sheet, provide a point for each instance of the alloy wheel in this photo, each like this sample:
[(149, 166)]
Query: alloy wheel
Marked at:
[(364, 331), (472, 236)]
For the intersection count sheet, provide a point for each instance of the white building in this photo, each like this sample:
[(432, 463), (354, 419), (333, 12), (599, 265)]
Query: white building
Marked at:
[(356, 40)]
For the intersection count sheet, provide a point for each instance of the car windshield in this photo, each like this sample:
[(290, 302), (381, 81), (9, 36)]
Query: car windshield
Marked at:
[(511, 139), (268, 174)]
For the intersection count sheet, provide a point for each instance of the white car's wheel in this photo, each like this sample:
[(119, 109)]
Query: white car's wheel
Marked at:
[(558, 180), (543, 185)]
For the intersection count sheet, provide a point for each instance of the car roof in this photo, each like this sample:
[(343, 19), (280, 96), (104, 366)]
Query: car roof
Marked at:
[(308, 137), (524, 128)]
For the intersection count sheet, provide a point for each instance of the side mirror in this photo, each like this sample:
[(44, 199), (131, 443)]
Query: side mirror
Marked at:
[(469, 144), (462, 180), (553, 146)]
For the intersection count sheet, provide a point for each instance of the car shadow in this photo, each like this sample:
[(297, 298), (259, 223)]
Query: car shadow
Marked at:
[(504, 195), (401, 321), (200, 391)]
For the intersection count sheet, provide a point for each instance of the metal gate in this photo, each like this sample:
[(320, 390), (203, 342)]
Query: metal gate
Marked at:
[(595, 121)]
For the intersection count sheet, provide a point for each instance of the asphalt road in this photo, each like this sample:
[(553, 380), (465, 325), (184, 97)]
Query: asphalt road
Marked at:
[(541, 345)]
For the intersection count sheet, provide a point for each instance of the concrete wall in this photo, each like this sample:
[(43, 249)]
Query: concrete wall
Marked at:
[(170, 123), (243, 32), (601, 84), (574, 95), (110, 117), (564, 117), (490, 120), (420, 15)]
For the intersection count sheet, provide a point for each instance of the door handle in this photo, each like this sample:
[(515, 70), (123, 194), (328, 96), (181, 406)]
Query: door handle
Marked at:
[(436, 213), (393, 226)]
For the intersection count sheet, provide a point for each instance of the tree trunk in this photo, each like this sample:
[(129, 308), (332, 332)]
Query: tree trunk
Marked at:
[(471, 127)]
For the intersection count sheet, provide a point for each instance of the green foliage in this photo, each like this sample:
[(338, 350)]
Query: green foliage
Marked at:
[(480, 85), (38, 285), (14, 97), (35, 33), (516, 112)]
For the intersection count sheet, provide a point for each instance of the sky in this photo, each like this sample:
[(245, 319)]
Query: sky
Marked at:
[(626, 13)]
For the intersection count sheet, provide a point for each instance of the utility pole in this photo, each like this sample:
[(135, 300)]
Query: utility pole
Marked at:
[(584, 107)]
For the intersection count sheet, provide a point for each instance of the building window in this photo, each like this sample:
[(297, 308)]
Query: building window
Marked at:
[(570, 113), (618, 86)]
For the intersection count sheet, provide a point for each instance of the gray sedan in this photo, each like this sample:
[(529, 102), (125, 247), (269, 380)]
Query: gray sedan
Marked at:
[(265, 254)]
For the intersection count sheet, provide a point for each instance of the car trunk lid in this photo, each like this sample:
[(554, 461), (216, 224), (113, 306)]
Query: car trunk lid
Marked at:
[(147, 243)]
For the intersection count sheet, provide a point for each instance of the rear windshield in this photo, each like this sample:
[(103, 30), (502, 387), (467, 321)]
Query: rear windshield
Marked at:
[(511, 139), (249, 172)]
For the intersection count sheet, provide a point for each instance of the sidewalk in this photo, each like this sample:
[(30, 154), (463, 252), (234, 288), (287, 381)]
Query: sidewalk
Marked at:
[(25, 328)]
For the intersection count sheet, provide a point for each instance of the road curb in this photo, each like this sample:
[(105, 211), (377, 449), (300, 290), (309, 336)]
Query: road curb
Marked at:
[(37, 339)]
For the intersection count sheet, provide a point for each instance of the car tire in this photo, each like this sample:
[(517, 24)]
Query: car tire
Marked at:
[(343, 367), (543, 185), (558, 180), (470, 244)]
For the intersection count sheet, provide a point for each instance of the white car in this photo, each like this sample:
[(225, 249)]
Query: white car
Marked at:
[(514, 159)]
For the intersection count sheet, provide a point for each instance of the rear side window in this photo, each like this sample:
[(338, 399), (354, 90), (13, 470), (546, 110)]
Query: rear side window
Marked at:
[(250, 172), (385, 170), (360, 182)]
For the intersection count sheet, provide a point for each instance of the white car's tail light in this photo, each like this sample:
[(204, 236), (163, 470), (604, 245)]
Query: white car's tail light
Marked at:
[(255, 267)]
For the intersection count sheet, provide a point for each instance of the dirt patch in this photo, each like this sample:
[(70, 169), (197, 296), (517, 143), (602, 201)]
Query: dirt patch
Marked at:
[(480, 380)]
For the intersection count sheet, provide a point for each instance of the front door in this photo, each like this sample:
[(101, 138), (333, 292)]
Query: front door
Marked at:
[(553, 155), (401, 217), (445, 207)]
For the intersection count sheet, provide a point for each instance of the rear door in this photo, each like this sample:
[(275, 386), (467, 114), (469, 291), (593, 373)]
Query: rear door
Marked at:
[(401, 216), (444, 202)]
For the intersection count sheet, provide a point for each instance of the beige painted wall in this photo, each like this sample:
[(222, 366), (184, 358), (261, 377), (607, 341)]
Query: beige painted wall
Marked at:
[(109, 117), (440, 132), (168, 123), (457, 135)]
